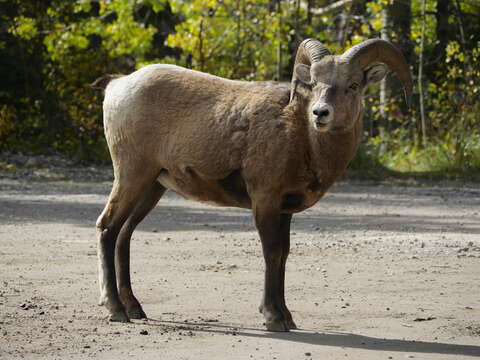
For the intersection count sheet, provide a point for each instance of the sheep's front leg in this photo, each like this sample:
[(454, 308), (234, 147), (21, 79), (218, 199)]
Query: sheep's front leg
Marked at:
[(274, 230)]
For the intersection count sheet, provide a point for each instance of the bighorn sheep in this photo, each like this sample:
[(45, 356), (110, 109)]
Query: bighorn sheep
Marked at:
[(265, 146)]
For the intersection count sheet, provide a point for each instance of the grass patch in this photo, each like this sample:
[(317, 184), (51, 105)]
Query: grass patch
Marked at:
[(378, 159)]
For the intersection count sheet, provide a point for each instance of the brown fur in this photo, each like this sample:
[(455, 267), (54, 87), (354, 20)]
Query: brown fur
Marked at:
[(224, 142)]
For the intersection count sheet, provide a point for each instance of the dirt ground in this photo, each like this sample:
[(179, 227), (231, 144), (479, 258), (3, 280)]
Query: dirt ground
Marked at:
[(375, 272)]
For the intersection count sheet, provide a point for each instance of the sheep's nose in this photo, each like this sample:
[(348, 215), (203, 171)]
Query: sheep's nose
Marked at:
[(323, 114)]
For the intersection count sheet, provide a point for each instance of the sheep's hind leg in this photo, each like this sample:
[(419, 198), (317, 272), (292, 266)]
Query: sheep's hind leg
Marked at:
[(122, 251), (274, 230), (126, 191)]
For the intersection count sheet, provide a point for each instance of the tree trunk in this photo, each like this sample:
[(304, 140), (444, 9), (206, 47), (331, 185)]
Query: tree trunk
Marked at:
[(309, 12), (384, 34), (400, 15), (420, 77), (399, 27), (279, 47), (441, 29)]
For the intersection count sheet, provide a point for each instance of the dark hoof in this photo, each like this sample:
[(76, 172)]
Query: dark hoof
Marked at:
[(276, 326), (119, 317), (136, 313), (291, 324)]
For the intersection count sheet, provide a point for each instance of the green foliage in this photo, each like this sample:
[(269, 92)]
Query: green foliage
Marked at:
[(394, 155), (51, 50), (63, 46), (23, 27), (223, 37)]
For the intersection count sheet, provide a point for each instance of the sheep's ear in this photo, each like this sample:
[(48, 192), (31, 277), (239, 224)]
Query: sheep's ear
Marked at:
[(302, 72), (375, 73)]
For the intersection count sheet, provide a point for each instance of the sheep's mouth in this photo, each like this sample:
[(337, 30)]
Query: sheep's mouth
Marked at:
[(321, 124)]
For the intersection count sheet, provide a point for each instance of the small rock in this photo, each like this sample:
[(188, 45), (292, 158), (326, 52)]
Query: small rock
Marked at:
[(424, 319), (31, 162), (308, 354), (143, 332), (211, 320)]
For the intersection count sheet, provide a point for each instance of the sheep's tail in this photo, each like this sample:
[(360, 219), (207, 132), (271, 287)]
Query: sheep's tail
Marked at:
[(102, 82)]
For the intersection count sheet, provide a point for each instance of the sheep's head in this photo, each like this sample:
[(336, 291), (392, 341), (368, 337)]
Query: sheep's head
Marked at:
[(333, 85)]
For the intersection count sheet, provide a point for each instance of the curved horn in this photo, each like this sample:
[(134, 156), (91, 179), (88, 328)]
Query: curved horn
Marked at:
[(309, 51), (378, 50)]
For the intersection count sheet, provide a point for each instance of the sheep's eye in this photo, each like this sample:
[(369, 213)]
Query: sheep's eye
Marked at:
[(353, 87)]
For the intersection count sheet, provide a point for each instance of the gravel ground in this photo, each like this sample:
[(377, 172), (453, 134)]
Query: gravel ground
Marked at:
[(375, 272)]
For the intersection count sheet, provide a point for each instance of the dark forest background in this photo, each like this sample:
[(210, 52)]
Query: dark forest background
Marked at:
[(50, 51)]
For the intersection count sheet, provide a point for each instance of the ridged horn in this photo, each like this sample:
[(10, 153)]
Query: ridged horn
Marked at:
[(309, 51), (378, 50)]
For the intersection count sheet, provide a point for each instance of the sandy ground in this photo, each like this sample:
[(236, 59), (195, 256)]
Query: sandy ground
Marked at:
[(375, 272)]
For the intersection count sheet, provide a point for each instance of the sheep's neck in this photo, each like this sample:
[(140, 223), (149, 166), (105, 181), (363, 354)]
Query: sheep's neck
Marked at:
[(330, 153)]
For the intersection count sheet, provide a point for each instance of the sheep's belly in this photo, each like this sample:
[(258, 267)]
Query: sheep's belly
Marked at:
[(228, 191)]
